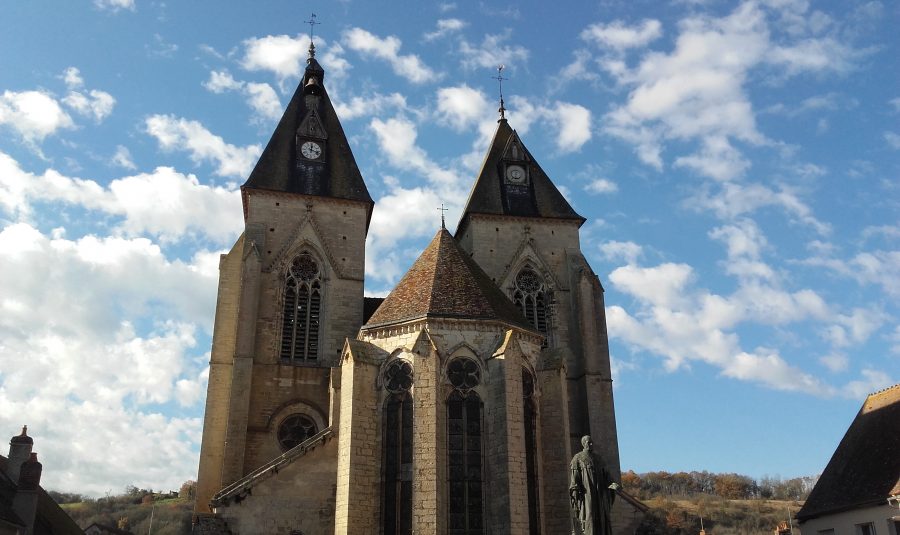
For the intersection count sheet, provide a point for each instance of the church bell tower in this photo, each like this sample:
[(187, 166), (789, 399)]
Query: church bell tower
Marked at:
[(290, 292)]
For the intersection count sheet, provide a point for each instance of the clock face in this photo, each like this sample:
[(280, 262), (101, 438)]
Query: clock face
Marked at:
[(515, 174), (311, 150)]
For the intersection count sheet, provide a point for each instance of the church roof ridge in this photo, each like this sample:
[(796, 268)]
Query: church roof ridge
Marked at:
[(488, 193), (337, 176), (445, 282)]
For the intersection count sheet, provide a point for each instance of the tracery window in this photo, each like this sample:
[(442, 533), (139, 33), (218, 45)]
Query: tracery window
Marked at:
[(531, 298), (302, 310), (464, 449), (530, 418), (398, 442), (295, 429)]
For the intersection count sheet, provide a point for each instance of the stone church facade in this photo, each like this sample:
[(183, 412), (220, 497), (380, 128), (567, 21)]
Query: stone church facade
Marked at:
[(452, 406)]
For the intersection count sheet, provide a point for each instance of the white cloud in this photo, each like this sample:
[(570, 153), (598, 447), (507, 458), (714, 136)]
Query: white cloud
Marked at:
[(260, 96), (221, 81), (387, 49), (96, 104), (34, 115), (280, 54), (601, 186), (263, 99), (122, 158), (491, 52), (163, 203), (814, 55), (69, 309), (619, 36), (374, 104), (892, 139), (574, 123), (461, 107), (202, 145), (664, 285), (72, 78), (114, 5), (717, 159), (895, 103), (445, 27), (871, 381), (624, 250), (835, 362)]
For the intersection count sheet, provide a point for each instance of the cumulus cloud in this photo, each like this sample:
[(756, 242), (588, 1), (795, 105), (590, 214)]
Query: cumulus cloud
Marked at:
[(163, 203), (33, 115), (621, 250), (601, 186), (259, 96), (491, 52), (114, 5), (70, 308), (408, 66), (445, 27), (619, 36), (281, 54), (461, 106), (95, 103), (574, 123), (176, 133), (122, 158), (370, 105)]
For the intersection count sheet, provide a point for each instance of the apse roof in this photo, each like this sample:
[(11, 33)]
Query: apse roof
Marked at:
[(445, 282)]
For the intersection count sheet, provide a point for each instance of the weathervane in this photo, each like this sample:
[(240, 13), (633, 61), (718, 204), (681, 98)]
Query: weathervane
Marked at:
[(312, 23), (500, 79), (442, 209)]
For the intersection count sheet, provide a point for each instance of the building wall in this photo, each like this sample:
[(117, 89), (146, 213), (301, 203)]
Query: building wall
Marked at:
[(846, 522), (301, 496)]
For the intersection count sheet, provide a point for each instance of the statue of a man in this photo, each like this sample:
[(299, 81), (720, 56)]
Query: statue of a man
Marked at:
[(591, 491)]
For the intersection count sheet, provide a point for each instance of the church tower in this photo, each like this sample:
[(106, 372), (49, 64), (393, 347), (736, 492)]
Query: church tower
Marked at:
[(290, 293), (520, 229)]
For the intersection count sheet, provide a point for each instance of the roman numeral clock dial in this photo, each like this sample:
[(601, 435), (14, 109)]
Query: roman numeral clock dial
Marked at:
[(311, 150)]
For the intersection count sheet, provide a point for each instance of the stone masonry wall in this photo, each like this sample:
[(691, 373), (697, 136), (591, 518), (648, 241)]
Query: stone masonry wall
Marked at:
[(556, 452), (215, 420), (359, 460)]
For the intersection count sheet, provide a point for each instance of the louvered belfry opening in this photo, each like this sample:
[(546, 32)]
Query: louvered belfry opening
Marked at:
[(302, 310), (531, 298), (398, 448), (464, 450)]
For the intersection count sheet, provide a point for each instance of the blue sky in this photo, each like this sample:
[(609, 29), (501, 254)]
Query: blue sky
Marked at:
[(737, 163)]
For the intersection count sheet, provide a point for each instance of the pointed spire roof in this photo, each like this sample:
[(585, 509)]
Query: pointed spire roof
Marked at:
[(276, 170), (488, 195), (444, 282)]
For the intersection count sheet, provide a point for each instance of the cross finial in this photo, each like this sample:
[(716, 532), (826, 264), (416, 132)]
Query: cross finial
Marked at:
[(442, 209), (500, 79), (312, 24)]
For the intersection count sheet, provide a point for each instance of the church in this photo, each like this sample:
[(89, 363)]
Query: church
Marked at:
[(452, 406)]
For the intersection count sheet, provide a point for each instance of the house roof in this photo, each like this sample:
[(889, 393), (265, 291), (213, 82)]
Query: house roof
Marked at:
[(276, 170), (445, 282), (865, 467), (488, 193), (49, 519)]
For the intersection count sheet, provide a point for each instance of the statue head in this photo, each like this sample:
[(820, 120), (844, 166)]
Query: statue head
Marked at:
[(587, 443)]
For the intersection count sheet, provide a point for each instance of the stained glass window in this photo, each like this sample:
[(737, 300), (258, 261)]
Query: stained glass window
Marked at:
[(530, 417), (295, 429), (531, 298), (398, 442), (464, 450)]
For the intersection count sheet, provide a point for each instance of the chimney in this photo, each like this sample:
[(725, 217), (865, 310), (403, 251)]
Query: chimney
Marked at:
[(19, 452), (26, 498)]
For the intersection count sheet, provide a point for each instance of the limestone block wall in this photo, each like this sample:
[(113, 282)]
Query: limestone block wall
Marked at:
[(358, 499), (215, 420), (300, 497), (556, 452), (429, 439)]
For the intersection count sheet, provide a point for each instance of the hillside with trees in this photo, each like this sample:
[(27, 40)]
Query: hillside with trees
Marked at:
[(729, 504)]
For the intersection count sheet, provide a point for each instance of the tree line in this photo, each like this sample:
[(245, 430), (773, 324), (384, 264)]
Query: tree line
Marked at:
[(729, 486)]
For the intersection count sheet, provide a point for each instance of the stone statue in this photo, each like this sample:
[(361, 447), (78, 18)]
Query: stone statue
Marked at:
[(591, 492)]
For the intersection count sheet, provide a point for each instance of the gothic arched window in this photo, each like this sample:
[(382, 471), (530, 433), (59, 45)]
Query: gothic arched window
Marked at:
[(302, 310), (530, 418), (531, 298), (398, 448), (464, 449)]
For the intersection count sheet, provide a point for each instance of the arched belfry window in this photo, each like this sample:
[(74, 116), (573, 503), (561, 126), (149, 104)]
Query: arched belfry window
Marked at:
[(302, 310), (464, 449), (397, 444), (531, 472), (532, 299)]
